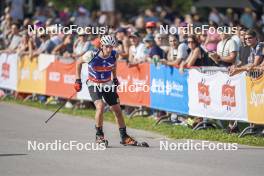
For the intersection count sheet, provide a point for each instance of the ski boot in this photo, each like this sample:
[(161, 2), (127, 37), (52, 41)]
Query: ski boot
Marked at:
[(101, 140), (129, 141)]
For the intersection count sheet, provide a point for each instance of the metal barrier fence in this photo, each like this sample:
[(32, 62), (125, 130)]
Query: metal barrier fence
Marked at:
[(213, 70), (255, 73)]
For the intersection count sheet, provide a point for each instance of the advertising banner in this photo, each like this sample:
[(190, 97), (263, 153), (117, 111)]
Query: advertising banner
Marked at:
[(8, 71), (60, 79), (30, 79), (217, 96), (169, 89), (134, 84), (255, 100)]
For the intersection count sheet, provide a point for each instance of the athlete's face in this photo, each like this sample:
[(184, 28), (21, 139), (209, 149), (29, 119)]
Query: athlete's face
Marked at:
[(107, 49)]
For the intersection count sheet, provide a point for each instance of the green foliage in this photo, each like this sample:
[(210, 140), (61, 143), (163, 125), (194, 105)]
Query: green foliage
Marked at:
[(73, 4), (128, 8), (183, 6)]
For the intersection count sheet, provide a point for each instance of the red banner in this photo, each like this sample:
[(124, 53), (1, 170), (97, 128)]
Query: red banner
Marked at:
[(134, 84), (60, 79)]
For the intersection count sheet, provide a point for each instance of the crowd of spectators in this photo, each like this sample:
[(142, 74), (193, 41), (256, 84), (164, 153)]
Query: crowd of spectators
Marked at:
[(140, 39)]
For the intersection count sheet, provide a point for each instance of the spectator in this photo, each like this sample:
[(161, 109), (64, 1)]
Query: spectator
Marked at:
[(255, 55), (212, 39), (227, 51), (195, 56), (236, 36), (39, 15), (136, 50), (26, 45), (150, 16), (150, 27), (139, 23), (215, 16), (15, 39), (244, 49), (82, 19), (123, 43), (5, 29), (246, 18), (161, 41), (65, 15), (51, 11), (65, 49), (26, 23), (45, 47), (202, 39), (182, 50), (81, 45), (154, 52), (17, 9), (172, 56), (256, 50), (121, 51), (56, 38)]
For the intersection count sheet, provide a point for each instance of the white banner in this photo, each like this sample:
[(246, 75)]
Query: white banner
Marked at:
[(84, 93), (44, 60), (8, 71), (217, 96)]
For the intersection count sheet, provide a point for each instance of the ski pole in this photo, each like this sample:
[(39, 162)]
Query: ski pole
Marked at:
[(60, 107)]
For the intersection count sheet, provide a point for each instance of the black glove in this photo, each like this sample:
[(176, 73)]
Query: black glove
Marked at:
[(78, 85), (116, 82)]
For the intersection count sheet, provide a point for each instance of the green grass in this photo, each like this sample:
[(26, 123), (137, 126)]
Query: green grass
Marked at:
[(148, 124)]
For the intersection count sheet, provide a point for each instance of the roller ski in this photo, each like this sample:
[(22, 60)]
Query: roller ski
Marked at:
[(101, 140), (129, 141)]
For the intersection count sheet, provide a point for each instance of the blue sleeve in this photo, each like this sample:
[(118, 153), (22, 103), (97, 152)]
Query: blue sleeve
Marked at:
[(259, 50), (50, 46), (156, 51)]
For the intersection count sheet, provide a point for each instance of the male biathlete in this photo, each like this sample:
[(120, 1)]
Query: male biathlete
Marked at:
[(101, 77)]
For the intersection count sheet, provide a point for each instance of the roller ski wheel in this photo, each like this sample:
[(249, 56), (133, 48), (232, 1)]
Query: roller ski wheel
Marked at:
[(142, 144), (101, 140), (129, 141)]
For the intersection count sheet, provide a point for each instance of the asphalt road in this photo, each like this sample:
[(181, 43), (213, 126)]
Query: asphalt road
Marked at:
[(21, 124)]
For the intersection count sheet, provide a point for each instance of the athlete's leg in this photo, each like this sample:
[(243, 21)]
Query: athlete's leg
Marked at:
[(99, 104), (118, 115), (96, 96), (125, 138), (112, 100)]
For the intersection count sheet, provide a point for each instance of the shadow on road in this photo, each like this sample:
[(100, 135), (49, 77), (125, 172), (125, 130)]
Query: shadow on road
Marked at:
[(13, 154)]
